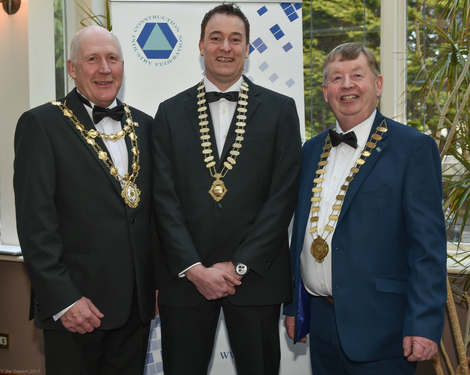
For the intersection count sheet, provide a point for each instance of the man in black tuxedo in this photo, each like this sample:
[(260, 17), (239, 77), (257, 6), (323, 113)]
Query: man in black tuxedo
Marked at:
[(82, 185), (223, 206)]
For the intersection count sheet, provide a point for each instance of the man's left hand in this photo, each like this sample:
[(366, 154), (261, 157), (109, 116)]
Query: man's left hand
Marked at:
[(418, 348), (229, 268)]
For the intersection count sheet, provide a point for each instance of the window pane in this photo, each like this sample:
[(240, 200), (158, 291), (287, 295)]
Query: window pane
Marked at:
[(327, 24)]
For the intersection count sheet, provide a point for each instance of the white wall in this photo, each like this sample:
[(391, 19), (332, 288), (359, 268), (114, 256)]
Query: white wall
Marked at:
[(26, 80)]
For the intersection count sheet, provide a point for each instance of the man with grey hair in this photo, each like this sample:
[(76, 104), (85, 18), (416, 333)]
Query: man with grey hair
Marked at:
[(368, 249), (82, 186)]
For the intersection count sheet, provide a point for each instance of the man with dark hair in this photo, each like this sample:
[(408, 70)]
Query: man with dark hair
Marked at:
[(226, 161), (368, 248), (83, 207)]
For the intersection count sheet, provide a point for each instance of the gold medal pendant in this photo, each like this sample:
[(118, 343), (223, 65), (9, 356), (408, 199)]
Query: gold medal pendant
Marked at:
[(131, 194), (218, 188), (319, 249)]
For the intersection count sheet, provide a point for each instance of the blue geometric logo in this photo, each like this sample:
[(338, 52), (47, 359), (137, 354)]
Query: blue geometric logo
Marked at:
[(157, 41)]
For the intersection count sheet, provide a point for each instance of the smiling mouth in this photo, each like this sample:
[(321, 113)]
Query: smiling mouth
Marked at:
[(224, 59), (349, 97)]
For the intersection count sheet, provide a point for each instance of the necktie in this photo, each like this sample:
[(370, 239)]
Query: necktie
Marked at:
[(100, 113), (213, 96), (348, 138)]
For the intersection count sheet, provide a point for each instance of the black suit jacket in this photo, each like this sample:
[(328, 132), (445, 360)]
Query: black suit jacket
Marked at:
[(77, 235), (249, 225)]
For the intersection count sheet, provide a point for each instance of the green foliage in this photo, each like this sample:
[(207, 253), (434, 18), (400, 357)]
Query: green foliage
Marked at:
[(59, 47), (439, 61), (100, 19), (438, 31), (327, 24)]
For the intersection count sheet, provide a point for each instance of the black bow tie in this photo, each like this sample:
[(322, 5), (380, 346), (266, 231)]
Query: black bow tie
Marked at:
[(100, 113), (348, 138), (213, 96)]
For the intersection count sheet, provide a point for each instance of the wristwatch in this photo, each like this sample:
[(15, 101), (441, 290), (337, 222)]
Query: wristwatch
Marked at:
[(241, 269)]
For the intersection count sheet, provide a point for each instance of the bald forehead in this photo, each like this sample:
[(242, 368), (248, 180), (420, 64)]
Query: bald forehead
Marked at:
[(93, 36)]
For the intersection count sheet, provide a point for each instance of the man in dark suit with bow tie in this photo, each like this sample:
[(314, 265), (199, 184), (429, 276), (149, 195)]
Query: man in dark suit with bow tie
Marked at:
[(225, 181), (83, 195), (368, 248)]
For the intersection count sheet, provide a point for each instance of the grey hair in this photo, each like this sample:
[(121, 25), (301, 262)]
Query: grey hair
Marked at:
[(351, 51)]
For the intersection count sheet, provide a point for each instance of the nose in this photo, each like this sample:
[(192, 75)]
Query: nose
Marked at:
[(226, 46), (347, 82), (104, 67)]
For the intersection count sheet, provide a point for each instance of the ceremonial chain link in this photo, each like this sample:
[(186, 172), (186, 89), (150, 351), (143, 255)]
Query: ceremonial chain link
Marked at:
[(130, 192), (319, 179), (218, 188)]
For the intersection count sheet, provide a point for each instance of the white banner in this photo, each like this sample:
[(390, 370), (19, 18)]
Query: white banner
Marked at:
[(160, 45)]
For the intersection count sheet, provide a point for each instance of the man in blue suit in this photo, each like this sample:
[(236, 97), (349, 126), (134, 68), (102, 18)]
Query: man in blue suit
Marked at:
[(368, 247)]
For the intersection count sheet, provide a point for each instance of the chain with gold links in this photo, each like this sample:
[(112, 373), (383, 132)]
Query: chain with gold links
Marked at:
[(218, 189), (319, 247), (130, 192)]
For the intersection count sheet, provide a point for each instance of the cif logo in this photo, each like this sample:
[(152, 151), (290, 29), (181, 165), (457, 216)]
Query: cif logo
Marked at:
[(157, 40)]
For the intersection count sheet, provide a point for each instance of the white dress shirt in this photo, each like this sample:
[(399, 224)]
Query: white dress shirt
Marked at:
[(317, 276), (222, 112)]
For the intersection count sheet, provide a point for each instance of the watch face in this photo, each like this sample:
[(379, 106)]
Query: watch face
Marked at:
[(241, 269)]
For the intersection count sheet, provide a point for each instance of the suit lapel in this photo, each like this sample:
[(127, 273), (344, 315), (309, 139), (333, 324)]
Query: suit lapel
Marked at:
[(128, 140), (191, 108), (76, 106), (366, 168)]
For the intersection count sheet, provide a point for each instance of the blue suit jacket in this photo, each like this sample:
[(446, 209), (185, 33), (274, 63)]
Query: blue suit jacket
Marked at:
[(388, 248)]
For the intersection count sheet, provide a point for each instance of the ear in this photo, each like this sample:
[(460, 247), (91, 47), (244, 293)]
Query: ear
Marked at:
[(71, 69), (247, 52), (201, 47), (325, 95), (379, 81)]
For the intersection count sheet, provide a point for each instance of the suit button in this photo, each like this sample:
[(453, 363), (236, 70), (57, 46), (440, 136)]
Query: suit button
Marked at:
[(38, 306), (219, 205), (131, 220)]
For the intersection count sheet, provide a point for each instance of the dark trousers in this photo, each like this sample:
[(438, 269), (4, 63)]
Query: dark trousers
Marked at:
[(327, 356), (112, 352), (188, 337)]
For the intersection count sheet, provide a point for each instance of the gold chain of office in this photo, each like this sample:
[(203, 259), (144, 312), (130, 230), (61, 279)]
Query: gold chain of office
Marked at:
[(130, 193), (218, 189), (319, 247)]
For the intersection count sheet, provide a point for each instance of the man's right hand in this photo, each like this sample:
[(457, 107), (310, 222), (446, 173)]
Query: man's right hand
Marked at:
[(82, 317), (212, 282), (290, 328)]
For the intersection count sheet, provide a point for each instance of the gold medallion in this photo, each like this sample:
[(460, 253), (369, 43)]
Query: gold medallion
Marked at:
[(319, 249), (218, 188), (131, 194)]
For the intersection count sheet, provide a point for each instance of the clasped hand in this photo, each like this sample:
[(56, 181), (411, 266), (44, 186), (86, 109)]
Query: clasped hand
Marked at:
[(214, 282)]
